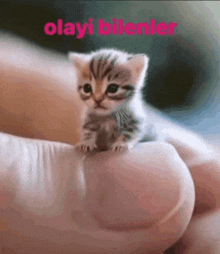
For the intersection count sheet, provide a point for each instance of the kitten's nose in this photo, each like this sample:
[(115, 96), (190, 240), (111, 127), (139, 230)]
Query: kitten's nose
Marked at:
[(98, 102)]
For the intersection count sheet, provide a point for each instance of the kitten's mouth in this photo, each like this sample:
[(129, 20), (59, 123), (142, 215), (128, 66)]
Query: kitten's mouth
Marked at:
[(99, 106)]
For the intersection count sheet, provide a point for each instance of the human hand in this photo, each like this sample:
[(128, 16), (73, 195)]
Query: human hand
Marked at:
[(202, 159), (39, 101), (54, 200)]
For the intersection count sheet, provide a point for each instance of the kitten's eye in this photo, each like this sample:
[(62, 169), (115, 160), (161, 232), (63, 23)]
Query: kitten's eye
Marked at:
[(87, 88), (112, 88)]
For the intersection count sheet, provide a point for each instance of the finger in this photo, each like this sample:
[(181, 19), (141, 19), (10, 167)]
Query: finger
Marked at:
[(20, 86), (147, 189)]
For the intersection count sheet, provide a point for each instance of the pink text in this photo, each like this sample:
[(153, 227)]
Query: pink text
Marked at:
[(119, 28)]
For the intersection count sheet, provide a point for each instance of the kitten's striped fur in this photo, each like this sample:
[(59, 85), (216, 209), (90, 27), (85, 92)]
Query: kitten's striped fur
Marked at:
[(109, 82)]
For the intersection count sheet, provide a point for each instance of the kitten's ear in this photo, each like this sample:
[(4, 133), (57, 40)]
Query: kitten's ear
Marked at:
[(138, 65), (79, 60)]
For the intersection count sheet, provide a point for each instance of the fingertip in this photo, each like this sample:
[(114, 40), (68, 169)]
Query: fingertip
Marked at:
[(136, 189)]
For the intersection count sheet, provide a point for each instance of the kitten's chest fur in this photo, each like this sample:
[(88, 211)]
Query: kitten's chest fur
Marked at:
[(110, 127)]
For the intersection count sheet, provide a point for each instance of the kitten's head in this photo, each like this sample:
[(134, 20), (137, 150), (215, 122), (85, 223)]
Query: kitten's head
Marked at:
[(108, 78)]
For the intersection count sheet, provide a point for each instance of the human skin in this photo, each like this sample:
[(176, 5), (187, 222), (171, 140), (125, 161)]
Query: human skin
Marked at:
[(137, 202)]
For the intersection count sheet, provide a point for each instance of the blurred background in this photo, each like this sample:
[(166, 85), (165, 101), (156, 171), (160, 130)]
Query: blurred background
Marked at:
[(183, 75)]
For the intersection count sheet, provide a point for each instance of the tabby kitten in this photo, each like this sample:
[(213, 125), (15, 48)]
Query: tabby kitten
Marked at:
[(109, 83)]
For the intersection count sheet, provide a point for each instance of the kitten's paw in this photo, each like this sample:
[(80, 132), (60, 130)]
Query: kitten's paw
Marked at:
[(120, 146), (86, 146)]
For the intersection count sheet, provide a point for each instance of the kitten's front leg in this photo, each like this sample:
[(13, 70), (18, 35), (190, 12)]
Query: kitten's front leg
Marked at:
[(126, 140), (122, 143), (88, 142)]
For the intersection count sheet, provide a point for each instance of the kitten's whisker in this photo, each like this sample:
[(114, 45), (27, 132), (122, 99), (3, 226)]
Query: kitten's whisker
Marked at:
[(117, 118), (121, 119)]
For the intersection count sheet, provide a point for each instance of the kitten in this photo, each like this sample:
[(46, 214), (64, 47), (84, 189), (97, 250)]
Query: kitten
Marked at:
[(109, 83)]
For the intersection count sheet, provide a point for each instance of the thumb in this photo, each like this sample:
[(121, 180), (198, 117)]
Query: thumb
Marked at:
[(138, 189)]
